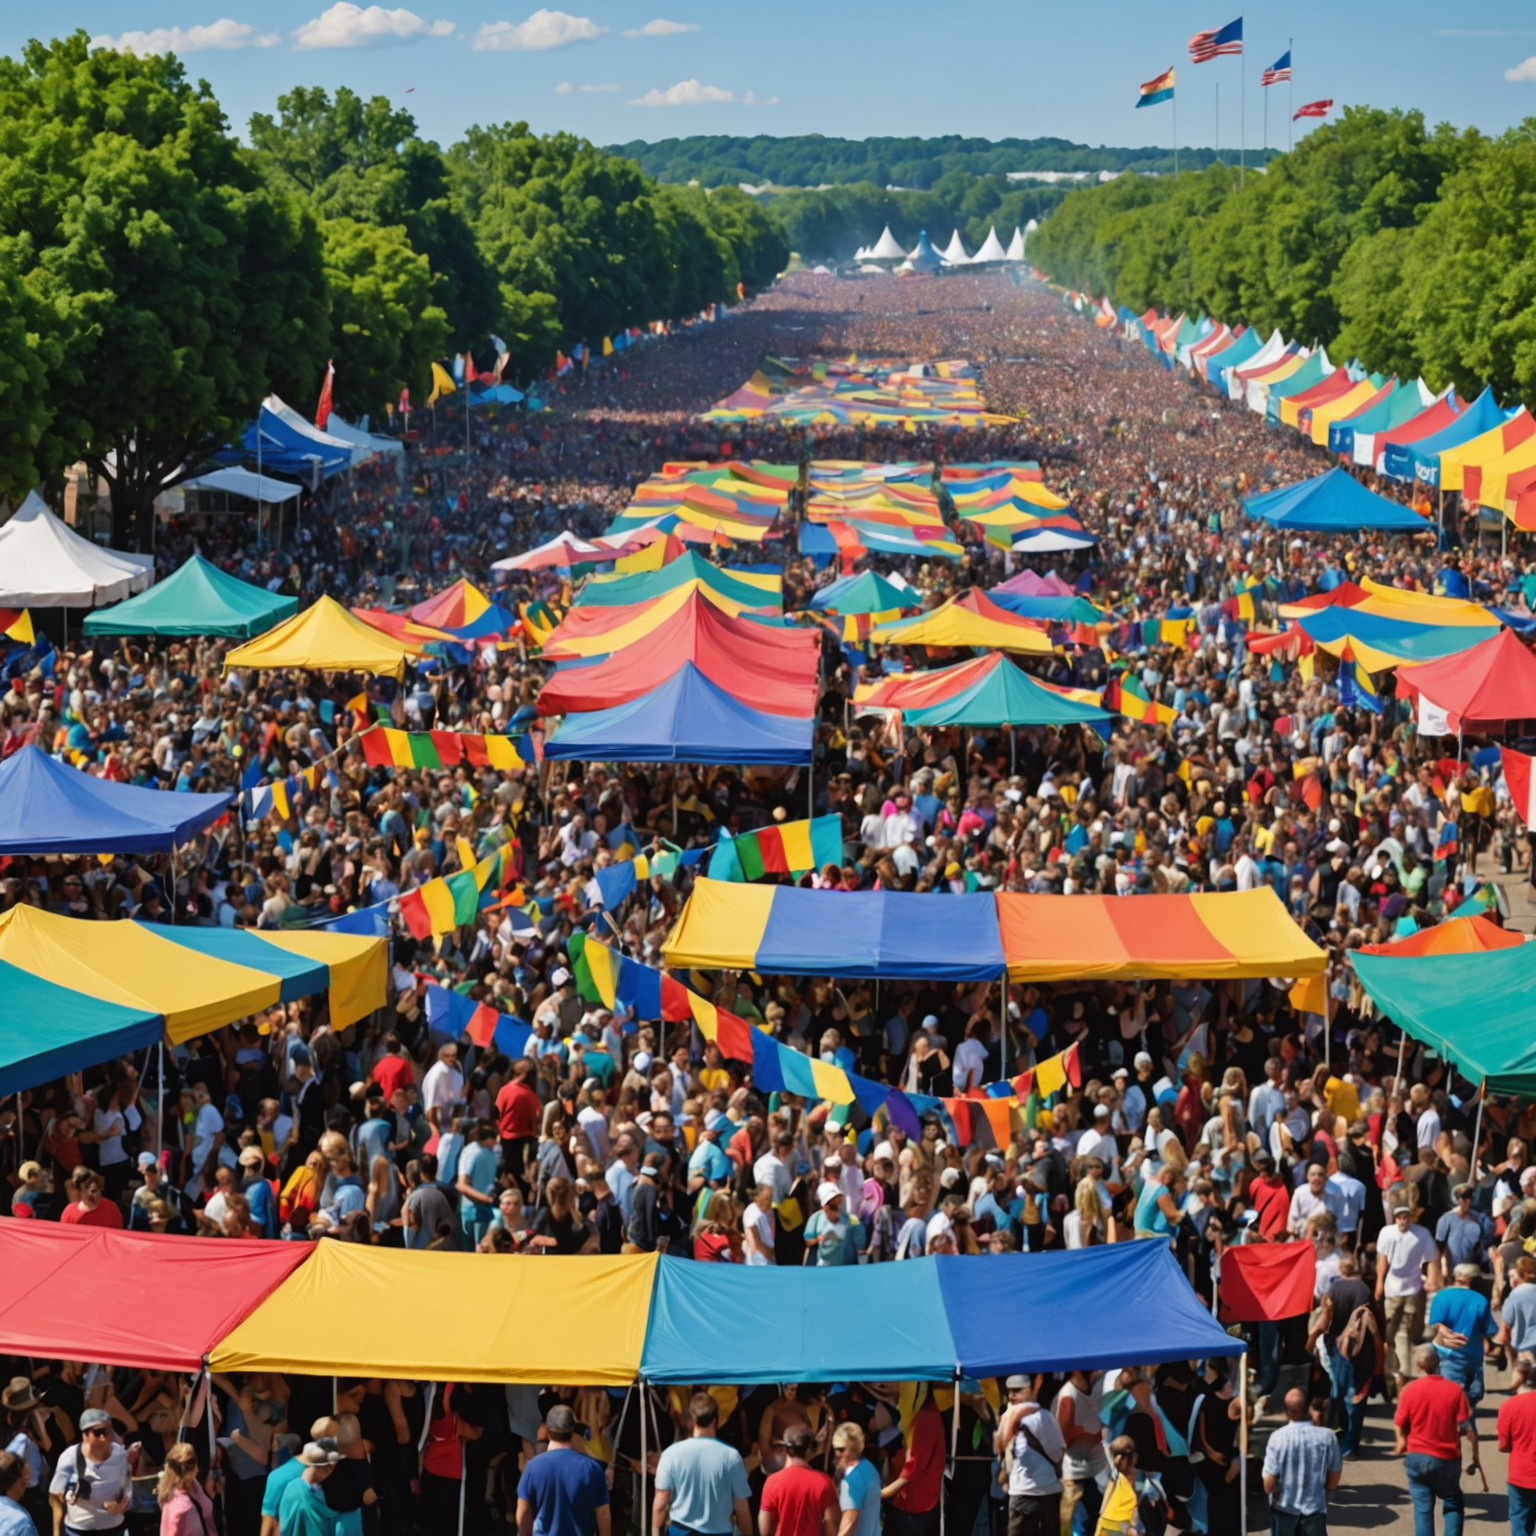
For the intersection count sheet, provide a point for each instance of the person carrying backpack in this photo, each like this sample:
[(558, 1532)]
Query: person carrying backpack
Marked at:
[(1030, 1441)]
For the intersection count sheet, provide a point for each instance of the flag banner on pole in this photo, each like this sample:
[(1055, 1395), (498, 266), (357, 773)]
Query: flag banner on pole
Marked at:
[(1312, 109), (1278, 72), (787, 848), (1216, 43), (1160, 89), (452, 1014), (386, 747), (1267, 1282), (1521, 782), (323, 409)]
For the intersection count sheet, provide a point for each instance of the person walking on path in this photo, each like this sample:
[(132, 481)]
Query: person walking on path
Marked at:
[(1302, 1466), (1433, 1417), (562, 1493), (858, 1490)]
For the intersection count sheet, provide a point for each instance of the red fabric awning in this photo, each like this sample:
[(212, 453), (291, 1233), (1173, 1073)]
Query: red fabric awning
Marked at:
[(1482, 688), (130, 1298)]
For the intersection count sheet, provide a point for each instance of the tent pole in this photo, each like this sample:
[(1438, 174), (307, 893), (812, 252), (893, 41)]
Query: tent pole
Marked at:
[(954, 1450), (463, 1482), (1002, 1024), (160, 1098), (1242, 1442), (645, 1514), (1402, 1046), (1477, 1132)]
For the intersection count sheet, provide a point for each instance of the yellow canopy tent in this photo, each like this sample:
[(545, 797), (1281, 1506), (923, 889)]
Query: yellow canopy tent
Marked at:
[(1494, 487), (300, 1328), (324, 637), (1330, 411), (969, 619), (1486, 448)]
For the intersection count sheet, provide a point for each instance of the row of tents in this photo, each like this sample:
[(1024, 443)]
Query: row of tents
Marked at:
[(924, 257), (1402, 430)]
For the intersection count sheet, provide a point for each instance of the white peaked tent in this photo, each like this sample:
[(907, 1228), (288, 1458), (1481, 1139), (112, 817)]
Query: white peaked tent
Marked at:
[(290, 417), (885, 248), (924, 259), (955, 253), (991, 248), (44, 563), (1016, 245), (1271, 352), (372, 444)]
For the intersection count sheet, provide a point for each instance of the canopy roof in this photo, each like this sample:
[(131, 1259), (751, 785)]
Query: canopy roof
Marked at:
[(1419, 459), (1473, 1009), (955, 251), (787, 929), (172, 1298), (686, 719), (767, 667), (1336, 386), (1486, 448), (1333, 502), (1219, 935), (865, 593), (1357, 435), (1004, 694), (1028, 584), (992, 248), (44, 563), (46, 807), (463, 611), (196, 599), (235, 481), (750, 589), (600, 631), (1455, 936), (971, 618), (565, 549), (1358, 397), (1483, 688), (1417, 425), (1055, 610), (886, 248), (1380, 643), (78, 993), (325, 637), (371, 442)]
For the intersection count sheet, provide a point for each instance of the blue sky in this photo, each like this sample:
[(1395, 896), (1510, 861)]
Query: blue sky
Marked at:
[(614, 70)]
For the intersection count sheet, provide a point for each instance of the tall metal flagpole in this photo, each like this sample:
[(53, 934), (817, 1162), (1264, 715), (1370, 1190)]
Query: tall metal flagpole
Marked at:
[(1218, 119), (1242, 113), (1290, 98), (1175, 99)]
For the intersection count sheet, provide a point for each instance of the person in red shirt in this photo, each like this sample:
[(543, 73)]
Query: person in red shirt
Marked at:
[(1517, 1439), (1270, 1198), (1433, 1415), (914, 1492), (798, 1500), (393, 1069), (519, 1111), (86, 1207)]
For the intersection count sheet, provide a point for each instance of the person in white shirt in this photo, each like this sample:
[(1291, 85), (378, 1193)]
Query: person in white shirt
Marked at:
[(773, 1168), (758, 1227), (443, 1086), (970, 1065), (1310, 1198), (901, 826), (1098, 1142), (1351, 1202), (1426, 1116), (1407, 1261), (592, 1120)]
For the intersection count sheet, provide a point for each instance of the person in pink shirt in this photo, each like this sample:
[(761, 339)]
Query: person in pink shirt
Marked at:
[(185, 1508)]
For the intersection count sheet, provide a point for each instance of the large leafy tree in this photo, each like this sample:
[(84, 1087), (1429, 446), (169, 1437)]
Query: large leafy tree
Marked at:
[(363, 160), (181, 286), (385, 329), (29, 348)]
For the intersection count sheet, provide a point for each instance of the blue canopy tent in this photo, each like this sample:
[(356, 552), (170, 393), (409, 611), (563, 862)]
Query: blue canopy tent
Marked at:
[(931, 1319), (1058, 610), (1421, 459), (46, 807), (1234, 356), (283, 449), (1375, 417), (1333, 502), (687, 719)]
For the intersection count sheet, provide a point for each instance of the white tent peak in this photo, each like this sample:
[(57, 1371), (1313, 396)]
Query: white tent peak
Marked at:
[(44, 563), (886, 248), (1016, 245), (955, 252), (991, 248)]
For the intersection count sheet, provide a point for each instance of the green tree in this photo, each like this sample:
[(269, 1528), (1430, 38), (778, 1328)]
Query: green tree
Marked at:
[(362, 159), (29, 350), (182, 286), (385, 329)]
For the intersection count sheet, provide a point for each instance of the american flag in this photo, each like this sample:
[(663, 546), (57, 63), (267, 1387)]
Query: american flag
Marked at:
[(1204, 46), (1313, 109), (1278, 72)]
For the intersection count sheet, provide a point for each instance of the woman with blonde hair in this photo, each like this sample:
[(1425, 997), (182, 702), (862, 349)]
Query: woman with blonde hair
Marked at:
[(1087, 1222), (185, 1508), (716, 1234)]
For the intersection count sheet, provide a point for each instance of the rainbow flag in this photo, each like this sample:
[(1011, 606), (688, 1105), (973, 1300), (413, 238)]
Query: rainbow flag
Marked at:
[(1126, 696), (1154, 91), (1356, 689), (390, 748), (604, 975), (787, 848)]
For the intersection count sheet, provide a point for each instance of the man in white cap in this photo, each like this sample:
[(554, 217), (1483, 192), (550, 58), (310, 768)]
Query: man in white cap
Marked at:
[(1031, 1439), (832, 1236), (303, 1510), (92, 1485)]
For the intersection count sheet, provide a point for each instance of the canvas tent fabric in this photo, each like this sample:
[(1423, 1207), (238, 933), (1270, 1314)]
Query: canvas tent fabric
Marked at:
[(1455, 936), (324, 1319), (686, 719), (44, 563), (600, 631), (744, 587), (1357, 437), (1473, 1009), (374, 445), (1358, 398), (325, 637), (1486, 448), (1210, 935), (1420, 459), (245, 482), (46, 807), (1483, 688), (130, 1298), (1380, 643), (1333, 502), (836, 933), (972, 619), (196, 599), (1004, 694)]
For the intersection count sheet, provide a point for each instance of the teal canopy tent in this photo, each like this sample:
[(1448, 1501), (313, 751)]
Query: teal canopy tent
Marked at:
[(199, 599), (1004, 694)]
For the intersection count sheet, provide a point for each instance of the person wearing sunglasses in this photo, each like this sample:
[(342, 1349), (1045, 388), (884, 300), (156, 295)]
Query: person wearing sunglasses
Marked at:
[(92, 1485)]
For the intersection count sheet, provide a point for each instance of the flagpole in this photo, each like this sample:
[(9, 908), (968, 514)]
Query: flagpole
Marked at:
[(1242, 113), (1218, 119), (1175, 100), (1290, 99)]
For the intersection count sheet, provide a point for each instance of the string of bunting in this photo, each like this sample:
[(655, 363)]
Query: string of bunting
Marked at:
[(620, 983), (447, 902), (385, 747)]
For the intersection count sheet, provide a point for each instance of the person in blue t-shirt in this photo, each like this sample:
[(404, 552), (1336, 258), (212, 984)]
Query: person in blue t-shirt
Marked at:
[(562, 1492), (1459, 1320), (858, 1484)]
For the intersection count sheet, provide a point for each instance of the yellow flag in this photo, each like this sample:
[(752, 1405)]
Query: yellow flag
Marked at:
[(1310, 995), (442, 383), (607, 346)]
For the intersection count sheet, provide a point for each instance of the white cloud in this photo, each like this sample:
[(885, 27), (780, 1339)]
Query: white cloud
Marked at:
[(686, 93), (752, 99), (222, 34), (1525, 71), (661, 27), (346, 25), (565, 88), (543, 30)]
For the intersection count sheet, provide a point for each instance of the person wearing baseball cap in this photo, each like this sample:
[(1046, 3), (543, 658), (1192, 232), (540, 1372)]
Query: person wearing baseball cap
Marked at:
[(832, 1235), (92, 1485), (1033, 1437)]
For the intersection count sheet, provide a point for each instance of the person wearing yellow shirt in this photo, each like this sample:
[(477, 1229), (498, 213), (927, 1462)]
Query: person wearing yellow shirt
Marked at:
[(1119, 1514)]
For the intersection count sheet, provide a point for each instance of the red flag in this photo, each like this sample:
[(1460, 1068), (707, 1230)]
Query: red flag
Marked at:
[(405, 401), (1267, 1282), (414, 914), (481, 1027), (323, 410), (1517, 774), (960, 1113), (469, 369), (1313, 109)]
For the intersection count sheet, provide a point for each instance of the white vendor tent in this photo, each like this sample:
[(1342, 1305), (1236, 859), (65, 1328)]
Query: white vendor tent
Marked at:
[(44, 563), (885, 248), (1016, 245), (285, 413), (247, 483), (955, 252), (991, 248)]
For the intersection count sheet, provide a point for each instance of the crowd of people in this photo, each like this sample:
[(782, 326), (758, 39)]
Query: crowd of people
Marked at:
[(1207, 1115)]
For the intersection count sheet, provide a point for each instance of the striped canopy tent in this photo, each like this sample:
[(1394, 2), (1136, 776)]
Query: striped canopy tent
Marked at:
[(464, 612), (600, 631), (1298, 407), (749, 588), (969, 619), (79, 993), (1355, 437), (1419, 460), (1360, 396), (867, 592), (1003, 694), (1419, 425)]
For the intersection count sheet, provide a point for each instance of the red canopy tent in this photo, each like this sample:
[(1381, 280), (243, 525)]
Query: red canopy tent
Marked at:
[(766, 666), (130, 1298), (1481, 689)]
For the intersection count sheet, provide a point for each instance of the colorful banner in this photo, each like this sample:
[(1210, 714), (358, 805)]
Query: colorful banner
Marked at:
[(1126, 696), (452, 1014), (786, 848), (385, 747), (452, 901)]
